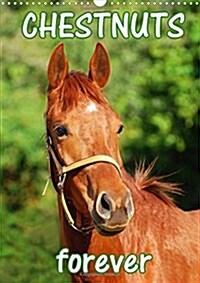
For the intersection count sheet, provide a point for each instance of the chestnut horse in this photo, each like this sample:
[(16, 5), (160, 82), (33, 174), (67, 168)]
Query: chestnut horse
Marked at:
[(103, 210)]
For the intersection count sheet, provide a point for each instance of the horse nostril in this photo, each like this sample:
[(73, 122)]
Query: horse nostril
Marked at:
[(129, 206), (104, 206), (104, 202)]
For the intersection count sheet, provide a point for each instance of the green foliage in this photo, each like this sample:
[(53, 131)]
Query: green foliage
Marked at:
[(154, 87), (30, 245)]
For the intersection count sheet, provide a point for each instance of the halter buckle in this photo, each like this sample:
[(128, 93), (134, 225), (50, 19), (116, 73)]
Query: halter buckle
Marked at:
[(61, 180), (48, 141)]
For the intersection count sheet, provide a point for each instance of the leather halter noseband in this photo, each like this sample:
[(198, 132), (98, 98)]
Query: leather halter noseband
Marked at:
[(62, 173)]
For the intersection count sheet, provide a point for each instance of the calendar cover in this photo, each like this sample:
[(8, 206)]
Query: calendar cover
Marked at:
[(99, 141)]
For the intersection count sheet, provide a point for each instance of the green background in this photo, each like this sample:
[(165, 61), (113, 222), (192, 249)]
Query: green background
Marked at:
[(154, 88)]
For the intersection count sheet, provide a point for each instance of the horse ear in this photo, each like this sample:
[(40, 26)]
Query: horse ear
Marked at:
[(99, 66), (58, 67)]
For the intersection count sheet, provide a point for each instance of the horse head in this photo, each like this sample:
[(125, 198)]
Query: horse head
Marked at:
[(83, 140)]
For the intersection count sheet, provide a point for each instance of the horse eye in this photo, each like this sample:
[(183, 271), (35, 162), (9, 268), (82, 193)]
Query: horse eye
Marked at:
[(120, 129), (61, 131)]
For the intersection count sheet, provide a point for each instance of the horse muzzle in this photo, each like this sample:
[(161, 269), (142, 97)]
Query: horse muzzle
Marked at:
[(111, 215)]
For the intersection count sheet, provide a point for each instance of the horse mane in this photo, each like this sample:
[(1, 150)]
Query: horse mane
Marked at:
[(77, 84), (155, 185)]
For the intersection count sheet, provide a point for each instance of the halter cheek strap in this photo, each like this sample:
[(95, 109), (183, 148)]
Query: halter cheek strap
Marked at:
[(62, 173)]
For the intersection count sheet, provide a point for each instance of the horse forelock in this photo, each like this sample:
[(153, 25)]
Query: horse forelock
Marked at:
[(75, 87)]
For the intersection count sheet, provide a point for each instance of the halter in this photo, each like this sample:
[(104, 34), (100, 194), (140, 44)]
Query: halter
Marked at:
[(64, 170)]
